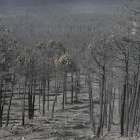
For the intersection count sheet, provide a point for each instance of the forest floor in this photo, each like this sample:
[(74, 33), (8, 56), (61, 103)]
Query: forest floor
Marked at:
[(70, 124)]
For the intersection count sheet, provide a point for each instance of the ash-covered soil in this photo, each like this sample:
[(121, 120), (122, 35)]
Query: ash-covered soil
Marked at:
[(71, 124)]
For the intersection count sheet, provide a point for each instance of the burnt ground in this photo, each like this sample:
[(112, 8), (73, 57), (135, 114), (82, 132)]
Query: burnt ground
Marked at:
[(70, 124)]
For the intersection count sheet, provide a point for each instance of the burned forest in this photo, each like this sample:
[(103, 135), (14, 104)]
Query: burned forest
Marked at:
[(69, 70)]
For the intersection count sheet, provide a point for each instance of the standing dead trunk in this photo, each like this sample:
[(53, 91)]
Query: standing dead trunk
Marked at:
[(119, 102), (64, 92), (130, 94), (134, 108), (122, 111), (100, 126), (112, 110), (92, 125), (33, 105), (56, 83), (92, 120), (64, 100), (30, 103), (9, 105), (89, 92), (76, 86), (65, 86), (23, 107), (44, 85), (132, 102), (126, 102), (48, 88), (72, 87), (1, 103), (56, 93), (40, 92), (138, 117), (105, 107)]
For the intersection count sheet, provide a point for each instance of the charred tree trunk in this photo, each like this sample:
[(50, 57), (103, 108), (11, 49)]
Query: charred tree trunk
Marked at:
[(64, 100), (10, 101), (92, 123), (112, 110), (40, 92), (89, 92), (1, 103), (30, 103), (138, 117), (76, 86), (64, 91), (123, 111), (100, 126), (105, 108), (134, 108), (72, 87), (33, 105), (119, 102), (48, 89), (56, 83), (65, 87), (23, 108), (126, 102), (44, 86), (56, 93)]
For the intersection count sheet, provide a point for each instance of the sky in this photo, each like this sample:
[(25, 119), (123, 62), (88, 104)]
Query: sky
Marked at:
[(75, 6), (18, 2)]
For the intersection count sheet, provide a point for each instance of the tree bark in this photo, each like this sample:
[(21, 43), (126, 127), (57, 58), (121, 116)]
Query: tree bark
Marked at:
[(30, 103), (76, 86), (34, 94), (64, 90), (100, 126), (72, 87), (112, 110), (23, 108), (48, 88), (9, 105), (56, 83), (40, 92), (56, 93), (119, 102), (105, 107), (89, 92), (109, 118), (126, 103), (134, 109), (122, 112), (92, 125), (65, 87), (44, 85), (1, 103)]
